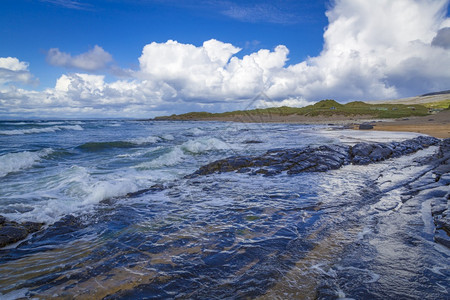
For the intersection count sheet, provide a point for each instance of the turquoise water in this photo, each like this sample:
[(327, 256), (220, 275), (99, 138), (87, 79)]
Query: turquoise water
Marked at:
[(343, 233)]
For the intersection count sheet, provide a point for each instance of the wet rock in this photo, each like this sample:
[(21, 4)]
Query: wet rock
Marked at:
[(152, 189), (442, 238), (252, 142), (61, 229), (365, 127), (441, 201), (315, 159), (11, 232)]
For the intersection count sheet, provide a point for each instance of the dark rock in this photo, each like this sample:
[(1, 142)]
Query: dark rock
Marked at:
[(440, 203), (153, 188), (314, 159), (442, 238), (61, 229), (32, 226), (365, 127), (252, 142), (12, 234)]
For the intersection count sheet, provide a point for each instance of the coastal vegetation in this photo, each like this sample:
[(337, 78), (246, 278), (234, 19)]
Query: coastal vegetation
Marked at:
[(323, 108), (444, 104)]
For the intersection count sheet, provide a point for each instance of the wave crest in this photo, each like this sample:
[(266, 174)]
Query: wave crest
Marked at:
[(40, 130), (14, 162)]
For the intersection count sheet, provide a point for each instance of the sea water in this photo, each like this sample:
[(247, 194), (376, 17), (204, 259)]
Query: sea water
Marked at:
[(219, 236)]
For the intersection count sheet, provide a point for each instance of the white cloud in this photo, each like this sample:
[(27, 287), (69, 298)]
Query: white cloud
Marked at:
[(13, 70), (372, 50), (207, 72), (92, 60)]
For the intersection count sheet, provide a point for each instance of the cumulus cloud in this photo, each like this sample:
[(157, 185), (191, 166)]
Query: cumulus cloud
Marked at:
[(210, 71), (13, 70), (372, 50), (379, 50), (92, 60)]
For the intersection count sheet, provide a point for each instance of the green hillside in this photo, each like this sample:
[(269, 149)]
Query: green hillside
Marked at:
[(322, 108)]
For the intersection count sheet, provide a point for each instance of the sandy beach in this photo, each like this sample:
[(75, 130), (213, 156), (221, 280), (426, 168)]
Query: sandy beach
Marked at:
[(437, 125)]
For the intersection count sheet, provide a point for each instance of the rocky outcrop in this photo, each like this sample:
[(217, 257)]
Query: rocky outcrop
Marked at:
[(440, 203), (316, 159), (11, 232), (365, 127)]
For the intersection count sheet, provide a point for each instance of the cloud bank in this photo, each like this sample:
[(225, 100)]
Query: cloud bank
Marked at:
[(381, 50)]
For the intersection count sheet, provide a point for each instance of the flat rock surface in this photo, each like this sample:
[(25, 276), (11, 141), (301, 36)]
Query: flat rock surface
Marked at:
[(316, 159)]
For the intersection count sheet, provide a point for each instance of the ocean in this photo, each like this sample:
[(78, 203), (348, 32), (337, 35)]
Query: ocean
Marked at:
[(123, 220)]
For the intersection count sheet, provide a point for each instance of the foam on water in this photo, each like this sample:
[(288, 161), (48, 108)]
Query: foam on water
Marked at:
[(279, 220), (195, 131), (145, 140), (357, 136), (14, 162), (168, 137), (205, 144), (40, 130), (171, 158), (77, 190)]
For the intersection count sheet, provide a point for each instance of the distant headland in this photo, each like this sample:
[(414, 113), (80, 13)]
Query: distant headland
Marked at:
[(428, 113)]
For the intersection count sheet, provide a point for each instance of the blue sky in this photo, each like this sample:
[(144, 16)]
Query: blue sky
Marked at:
[(123, 28), (116, 58)]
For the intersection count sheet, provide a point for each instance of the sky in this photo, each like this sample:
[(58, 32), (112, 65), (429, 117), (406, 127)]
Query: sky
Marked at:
[(146, 58)]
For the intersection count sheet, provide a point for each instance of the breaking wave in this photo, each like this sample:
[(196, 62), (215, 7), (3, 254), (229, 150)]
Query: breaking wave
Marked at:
[(40, 130), (204, 145), (14, 162)]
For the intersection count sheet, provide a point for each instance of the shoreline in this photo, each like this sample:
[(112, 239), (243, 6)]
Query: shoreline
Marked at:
[(436, 125)]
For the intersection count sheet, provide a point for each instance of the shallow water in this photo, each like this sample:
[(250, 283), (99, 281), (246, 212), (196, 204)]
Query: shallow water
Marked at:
[(343, 233)]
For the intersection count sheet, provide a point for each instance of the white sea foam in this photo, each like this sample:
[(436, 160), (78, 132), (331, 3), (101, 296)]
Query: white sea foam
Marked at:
[(355, 136), (76, 190), (174, 157), (145, 140), (205, 144), (195, 131), (102, 190), (14, 162), (16, 123), (168, 137), (40, 130), (47, 123)]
